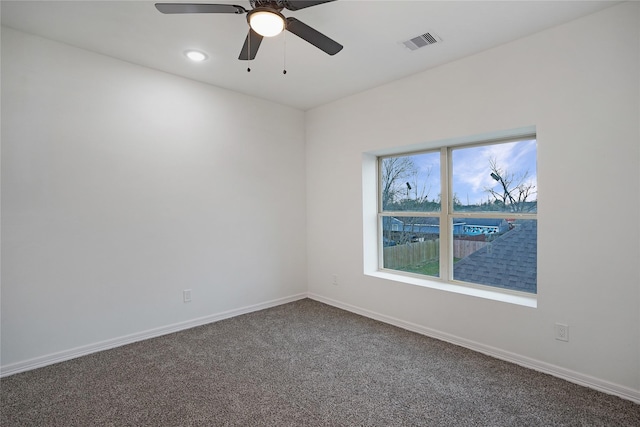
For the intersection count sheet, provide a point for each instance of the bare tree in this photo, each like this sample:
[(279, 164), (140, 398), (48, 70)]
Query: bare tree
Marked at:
[(516, 189), (420, 185), (394, 172)]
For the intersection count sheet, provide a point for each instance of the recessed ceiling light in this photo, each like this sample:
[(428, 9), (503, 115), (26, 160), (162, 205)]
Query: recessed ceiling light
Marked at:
[(195, 55)]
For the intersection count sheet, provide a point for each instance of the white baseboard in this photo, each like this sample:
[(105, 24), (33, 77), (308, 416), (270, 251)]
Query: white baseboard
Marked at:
[(84, 350), (537, 365)]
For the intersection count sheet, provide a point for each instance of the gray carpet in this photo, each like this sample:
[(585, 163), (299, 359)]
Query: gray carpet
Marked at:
[(300, 364)]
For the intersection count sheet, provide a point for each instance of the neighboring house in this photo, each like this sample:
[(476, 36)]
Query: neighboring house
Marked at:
[(428, 225), (485, 226), (508, 262), (422, 225), (392, 224)]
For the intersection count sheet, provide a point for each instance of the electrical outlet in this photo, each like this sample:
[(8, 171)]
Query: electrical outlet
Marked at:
[(186, 295), (562, 332), (334, 280)]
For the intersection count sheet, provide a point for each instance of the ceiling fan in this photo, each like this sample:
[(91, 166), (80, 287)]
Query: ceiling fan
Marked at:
[(265, 20)]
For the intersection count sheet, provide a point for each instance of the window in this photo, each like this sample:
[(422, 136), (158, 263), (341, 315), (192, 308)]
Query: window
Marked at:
[(462, 215)]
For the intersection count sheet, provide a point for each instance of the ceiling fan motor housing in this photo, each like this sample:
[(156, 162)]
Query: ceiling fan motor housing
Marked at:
[(276, 5), (286, 4)]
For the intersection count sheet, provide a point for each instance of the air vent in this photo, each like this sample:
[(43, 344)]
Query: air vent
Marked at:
[(422, 40)]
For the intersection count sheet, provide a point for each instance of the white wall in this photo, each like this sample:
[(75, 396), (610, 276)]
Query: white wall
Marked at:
[(579, 84), (122, 186)]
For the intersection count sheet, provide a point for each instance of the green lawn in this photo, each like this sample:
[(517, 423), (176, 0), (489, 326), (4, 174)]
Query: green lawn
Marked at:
[(428, 268)]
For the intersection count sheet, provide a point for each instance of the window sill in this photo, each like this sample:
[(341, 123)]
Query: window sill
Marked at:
[(526, 301)]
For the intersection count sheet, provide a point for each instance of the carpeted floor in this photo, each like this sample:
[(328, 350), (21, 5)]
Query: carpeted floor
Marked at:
[(300, 364)]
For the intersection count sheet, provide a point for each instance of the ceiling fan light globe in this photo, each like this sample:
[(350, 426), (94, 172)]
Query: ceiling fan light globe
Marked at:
[(266, 23)]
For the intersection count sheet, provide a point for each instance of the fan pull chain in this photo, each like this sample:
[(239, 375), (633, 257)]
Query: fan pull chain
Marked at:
[(249, 51), (284, 66)]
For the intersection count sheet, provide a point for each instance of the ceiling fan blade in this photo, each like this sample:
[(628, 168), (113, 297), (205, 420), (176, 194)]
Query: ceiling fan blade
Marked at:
[(314, 37), (199, 8), (253, 40), (301, 4)]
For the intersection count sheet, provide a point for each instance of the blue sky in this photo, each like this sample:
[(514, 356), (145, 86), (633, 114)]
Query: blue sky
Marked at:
[(471, 169)]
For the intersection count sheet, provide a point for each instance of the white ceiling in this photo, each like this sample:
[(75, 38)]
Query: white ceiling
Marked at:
[(372, 33)]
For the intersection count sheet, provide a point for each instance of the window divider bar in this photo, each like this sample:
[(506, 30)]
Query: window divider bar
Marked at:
[(446, 245)]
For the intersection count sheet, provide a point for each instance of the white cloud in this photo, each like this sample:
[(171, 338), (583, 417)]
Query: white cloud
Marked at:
[(471, 167)]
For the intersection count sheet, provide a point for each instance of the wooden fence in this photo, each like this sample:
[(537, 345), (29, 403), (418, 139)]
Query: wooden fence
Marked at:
[(420, 252), (464, 248), (411, 253)]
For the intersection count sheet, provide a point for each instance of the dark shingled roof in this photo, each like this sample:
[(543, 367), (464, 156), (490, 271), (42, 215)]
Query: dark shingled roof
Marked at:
[(508, 262)]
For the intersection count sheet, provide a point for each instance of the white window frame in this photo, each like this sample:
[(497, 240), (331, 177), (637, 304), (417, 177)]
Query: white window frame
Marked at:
[(446, 215)]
